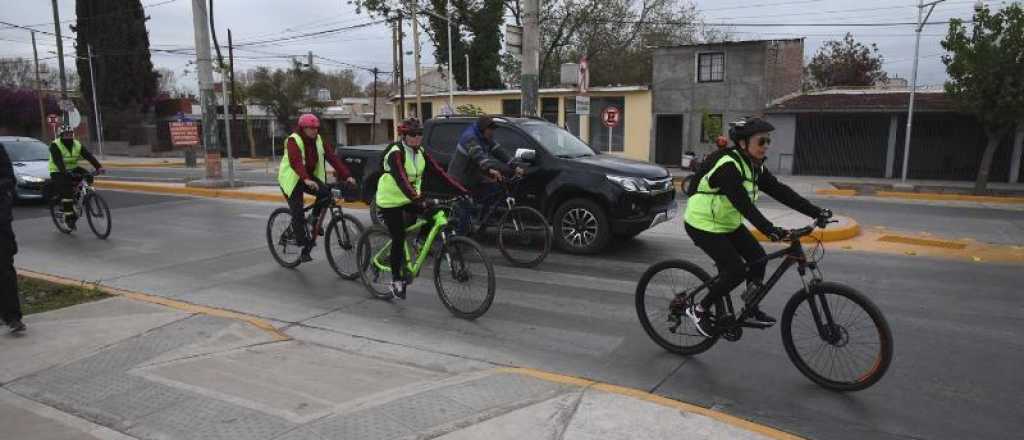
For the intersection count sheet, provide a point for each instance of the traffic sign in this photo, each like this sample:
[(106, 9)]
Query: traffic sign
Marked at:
[(611, 117), (52, 120), (184, 134), (583, 105)]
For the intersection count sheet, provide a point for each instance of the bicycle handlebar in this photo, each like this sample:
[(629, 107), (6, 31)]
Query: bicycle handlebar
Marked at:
[(797, 234)]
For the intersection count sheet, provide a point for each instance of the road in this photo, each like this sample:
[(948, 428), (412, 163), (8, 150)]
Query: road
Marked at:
[(957, 326)]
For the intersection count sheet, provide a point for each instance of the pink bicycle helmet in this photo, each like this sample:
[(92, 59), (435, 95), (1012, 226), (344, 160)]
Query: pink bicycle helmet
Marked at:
[(309, 120)]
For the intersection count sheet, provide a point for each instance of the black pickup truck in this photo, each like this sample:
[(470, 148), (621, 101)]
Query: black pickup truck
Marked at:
[(590, 198)]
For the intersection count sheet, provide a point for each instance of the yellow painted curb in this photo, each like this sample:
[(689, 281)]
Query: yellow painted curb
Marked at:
[(144, 165), (653, 398), (950, 197), (205, 192), (847, 232), (836, 192), (152, 299)]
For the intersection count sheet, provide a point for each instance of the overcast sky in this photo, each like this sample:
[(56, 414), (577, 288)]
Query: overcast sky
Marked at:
[(170, 27)]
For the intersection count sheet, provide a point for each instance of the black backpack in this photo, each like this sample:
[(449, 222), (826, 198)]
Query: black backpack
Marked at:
[(703, 169)]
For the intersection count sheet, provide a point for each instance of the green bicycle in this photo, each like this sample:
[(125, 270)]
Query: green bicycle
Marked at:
[(463, 276)]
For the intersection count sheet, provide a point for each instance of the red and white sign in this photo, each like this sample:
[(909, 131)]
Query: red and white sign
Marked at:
[(184, 134), (611, 117), (52, 120)]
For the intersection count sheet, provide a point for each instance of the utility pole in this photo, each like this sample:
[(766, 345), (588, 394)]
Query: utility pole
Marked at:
[(60, 61), (913, 79), (531, 57), (95, 104), (373, 122), (416, 57), (204, 64), (401, 67), (451, 59), (229, 109), (39, 88), (394, 59), (467, 73), (309, 57)]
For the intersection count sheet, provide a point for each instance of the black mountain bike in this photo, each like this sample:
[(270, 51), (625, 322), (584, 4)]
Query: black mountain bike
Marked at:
[(524, 235), (342, 235), (834, 334), (88, 204)]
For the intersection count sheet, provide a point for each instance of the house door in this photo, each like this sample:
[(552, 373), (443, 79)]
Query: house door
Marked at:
[(668, 140)]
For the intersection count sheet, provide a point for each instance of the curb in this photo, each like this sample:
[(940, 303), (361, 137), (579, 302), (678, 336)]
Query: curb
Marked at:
[(925, 196), (205, 192), (653, 398), (166, 302), (851, 230)]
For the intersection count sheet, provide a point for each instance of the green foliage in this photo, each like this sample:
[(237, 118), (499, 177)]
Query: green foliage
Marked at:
[(116, 29), (469, 110), (341, 83), (285, 92), (39, 296), (845, 63), (712, 126), (986, 71)]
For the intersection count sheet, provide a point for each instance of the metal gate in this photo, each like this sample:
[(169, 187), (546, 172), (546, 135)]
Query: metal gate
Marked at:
[(949, 146), (668, 140), (851, 145)]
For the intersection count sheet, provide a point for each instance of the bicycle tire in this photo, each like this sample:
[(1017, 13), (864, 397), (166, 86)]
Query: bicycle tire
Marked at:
[(702, 343), (347, 237), (279, 236), (57, 215), (538, 233), (376, 217), (88, 203), (878, 366), (377, 282), (459, 250)]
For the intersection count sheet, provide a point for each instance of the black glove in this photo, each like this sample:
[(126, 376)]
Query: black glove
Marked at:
[(777, 234), (825, 214)]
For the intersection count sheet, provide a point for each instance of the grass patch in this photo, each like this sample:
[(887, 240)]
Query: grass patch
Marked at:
[(39, 296)]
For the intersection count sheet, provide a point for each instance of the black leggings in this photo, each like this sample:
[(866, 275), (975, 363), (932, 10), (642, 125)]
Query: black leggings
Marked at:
[(296, 205), (730, 251), (397, 219)]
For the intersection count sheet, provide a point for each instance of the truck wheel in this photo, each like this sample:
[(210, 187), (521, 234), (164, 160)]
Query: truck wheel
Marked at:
[(581, 227)]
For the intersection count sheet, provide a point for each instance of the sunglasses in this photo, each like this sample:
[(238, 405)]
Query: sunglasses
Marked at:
[(764, 141), (416, 134)]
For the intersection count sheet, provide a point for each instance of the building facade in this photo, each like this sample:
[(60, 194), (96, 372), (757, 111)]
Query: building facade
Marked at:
[(696, 87)]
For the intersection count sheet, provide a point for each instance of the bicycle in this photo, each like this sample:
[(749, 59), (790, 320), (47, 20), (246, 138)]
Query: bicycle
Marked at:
[(87, 201), (831, 307), (459, 263), (340, 240), (524, 235)]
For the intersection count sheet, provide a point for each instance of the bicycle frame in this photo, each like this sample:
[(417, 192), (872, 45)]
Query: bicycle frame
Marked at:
[(411, 265)]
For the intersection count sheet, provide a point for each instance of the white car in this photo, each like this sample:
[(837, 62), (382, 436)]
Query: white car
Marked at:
[(30, 159)]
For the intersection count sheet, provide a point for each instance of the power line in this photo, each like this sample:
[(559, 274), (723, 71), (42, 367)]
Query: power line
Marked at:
[(309, 34), (840, 11), (50, 23)]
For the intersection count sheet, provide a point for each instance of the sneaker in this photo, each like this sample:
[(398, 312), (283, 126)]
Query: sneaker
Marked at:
[(16, 326), (756, 316), (398, 289), (305, 257), (701, 319)]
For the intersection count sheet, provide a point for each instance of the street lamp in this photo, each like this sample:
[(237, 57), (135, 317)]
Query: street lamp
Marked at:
[(921, 21)]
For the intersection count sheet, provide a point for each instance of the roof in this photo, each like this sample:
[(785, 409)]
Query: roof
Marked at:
[(730, 43), (859, 101), (500, 92)]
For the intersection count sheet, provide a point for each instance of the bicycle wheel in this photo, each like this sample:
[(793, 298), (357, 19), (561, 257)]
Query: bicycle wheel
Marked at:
[(374, 256), (282, 242), (340, 244), (664, 319), (57, 214), (524, 236), (375, 215), (464, 278), (98, 214), (853, 348)]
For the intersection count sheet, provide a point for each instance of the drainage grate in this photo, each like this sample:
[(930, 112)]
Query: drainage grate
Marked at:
[(922, 242)]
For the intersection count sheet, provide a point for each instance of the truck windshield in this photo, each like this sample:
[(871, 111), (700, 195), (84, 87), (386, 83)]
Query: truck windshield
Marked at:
[(557, 141)]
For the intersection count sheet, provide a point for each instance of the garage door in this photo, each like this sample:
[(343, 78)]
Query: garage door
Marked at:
[(851, 145)]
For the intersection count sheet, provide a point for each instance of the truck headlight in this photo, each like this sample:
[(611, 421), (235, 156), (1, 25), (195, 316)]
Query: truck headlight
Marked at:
[(30, 179), (631, 184)]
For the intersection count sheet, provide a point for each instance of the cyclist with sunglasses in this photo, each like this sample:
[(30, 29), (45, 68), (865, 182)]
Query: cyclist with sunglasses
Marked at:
[(726, 195)]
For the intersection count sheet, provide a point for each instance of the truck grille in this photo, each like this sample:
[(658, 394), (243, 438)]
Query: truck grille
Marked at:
[(658, 186)]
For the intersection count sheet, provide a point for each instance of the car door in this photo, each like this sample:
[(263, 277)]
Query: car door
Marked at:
[(531, 191)]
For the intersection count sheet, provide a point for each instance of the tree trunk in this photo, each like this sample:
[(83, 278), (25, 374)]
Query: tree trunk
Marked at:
[(994, 137)]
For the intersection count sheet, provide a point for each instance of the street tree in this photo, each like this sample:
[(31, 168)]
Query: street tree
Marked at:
[(285, 92), (342, 84), (116, 29), (985, 65), (19, 110), (17, 73), (844, 63)]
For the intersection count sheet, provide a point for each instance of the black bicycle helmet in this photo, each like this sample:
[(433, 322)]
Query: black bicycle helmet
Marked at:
[(485, 122), (747, 127)]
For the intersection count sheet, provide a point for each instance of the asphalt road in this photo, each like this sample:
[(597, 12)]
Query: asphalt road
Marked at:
[(957, 326)]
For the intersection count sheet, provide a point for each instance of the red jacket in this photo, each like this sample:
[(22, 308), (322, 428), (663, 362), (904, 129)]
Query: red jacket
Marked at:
[(306, 168)]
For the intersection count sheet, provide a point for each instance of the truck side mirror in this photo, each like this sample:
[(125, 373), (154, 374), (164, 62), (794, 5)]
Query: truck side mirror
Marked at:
[(526, 154)]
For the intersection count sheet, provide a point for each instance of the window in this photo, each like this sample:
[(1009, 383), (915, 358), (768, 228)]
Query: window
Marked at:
[(549, 109), (711, 67), (710, 127), (508, 140), (27, 150), (557, 141), (511, 107), (444, 137), (428, 111)]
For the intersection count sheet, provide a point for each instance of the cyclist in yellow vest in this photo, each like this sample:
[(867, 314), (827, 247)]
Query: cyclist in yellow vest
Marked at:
[(65, 153), (399, 192), (714, 216), (303, 162)]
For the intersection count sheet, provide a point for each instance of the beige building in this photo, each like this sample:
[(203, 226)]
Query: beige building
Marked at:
[(631, 138)]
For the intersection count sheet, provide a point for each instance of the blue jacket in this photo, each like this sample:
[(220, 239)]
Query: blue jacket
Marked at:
[(475, 156)]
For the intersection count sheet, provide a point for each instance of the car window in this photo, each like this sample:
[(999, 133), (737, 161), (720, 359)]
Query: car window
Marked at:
[(26, 150), (444, 137), (557, 141), (509, 140)]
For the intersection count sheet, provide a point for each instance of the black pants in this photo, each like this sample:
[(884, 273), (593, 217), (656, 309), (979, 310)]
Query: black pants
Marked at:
[(10, 306), (63, 186), (730, 251), (396, 220), (296, 204)]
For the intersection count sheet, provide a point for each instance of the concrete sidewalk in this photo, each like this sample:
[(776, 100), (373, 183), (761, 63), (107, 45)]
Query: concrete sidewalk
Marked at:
[(142, 367)]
